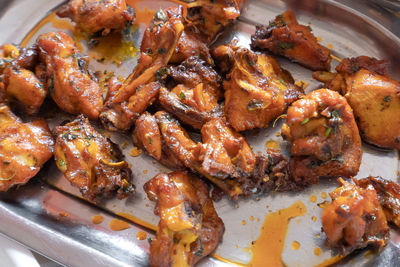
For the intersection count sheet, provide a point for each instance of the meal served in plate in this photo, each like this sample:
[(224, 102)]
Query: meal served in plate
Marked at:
[(187, 103)]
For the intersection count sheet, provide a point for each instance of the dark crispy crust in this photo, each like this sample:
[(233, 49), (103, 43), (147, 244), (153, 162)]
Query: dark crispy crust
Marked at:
[(286, 37)]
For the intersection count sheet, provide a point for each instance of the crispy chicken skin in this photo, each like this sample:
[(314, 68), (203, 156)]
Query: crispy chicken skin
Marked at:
[(22, 86), (24, 148), (324, 137), (69, 85), (189, 227), (373, 96), (92, 16), (147, 135), (256, 89), (194, 98), (91, 162), (190, 46), (388, 195), (286, 37), (206, 19), (354, 219), (158, 45)]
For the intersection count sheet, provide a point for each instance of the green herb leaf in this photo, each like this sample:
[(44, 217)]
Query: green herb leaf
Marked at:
[(285, 45), (61, 163), (305, 121), (328, 132), (387, 98), (182, 95)]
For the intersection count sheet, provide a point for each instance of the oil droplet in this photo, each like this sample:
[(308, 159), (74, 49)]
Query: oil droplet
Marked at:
[(313, 198), (137, 220), (118, 225), (141, 235), (317, 251), (243, 222), (63, 214), (330, 46), (274, 229), (318, 235), (258, 219), (97, 219), (397, 173), (295, 245), (302, 84), (277, 134), (319, 39), (251, 218), (145, 171), (135, 152), (314, 218), (298, 221), (271, 145), (324, 195)]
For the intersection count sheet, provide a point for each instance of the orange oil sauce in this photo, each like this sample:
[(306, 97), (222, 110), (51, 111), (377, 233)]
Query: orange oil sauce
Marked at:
[(141, 235), (137, 221), (97, 219), (118, 225), (269, 245)]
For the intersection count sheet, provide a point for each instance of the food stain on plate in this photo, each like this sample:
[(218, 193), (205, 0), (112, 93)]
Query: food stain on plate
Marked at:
[(141, 235), (269, 245), (97, 219), (118, 225)]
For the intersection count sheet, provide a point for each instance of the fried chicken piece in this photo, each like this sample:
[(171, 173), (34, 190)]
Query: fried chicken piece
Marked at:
[(284, 36), (354, 219), (24, 148), (92, 16), (324, 137), (23, 87), (194, 99), (91, 162), (189, 227), (190, 46), (256, 91), (206, 19), (69, 85), (158, 45), (373, 96), (147, 135), (388, 195)]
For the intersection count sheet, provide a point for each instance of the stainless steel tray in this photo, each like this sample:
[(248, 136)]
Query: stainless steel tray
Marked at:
[(33, 214)]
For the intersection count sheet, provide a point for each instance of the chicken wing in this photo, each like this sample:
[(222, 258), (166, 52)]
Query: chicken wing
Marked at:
[(354, 219), (286, 37), (24, 148), (21, 84), (92, 16), (91, 162), (324, 137), (388, 195), (206, 19), (69, 85), (257, 90), (189, 227), (194, 99), (373, 96), (158, 45)]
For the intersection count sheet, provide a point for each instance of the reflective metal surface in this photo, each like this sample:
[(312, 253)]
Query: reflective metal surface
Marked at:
[(33, 215)]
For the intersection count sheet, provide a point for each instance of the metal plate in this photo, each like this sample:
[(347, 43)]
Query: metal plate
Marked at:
[(31, 215)]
